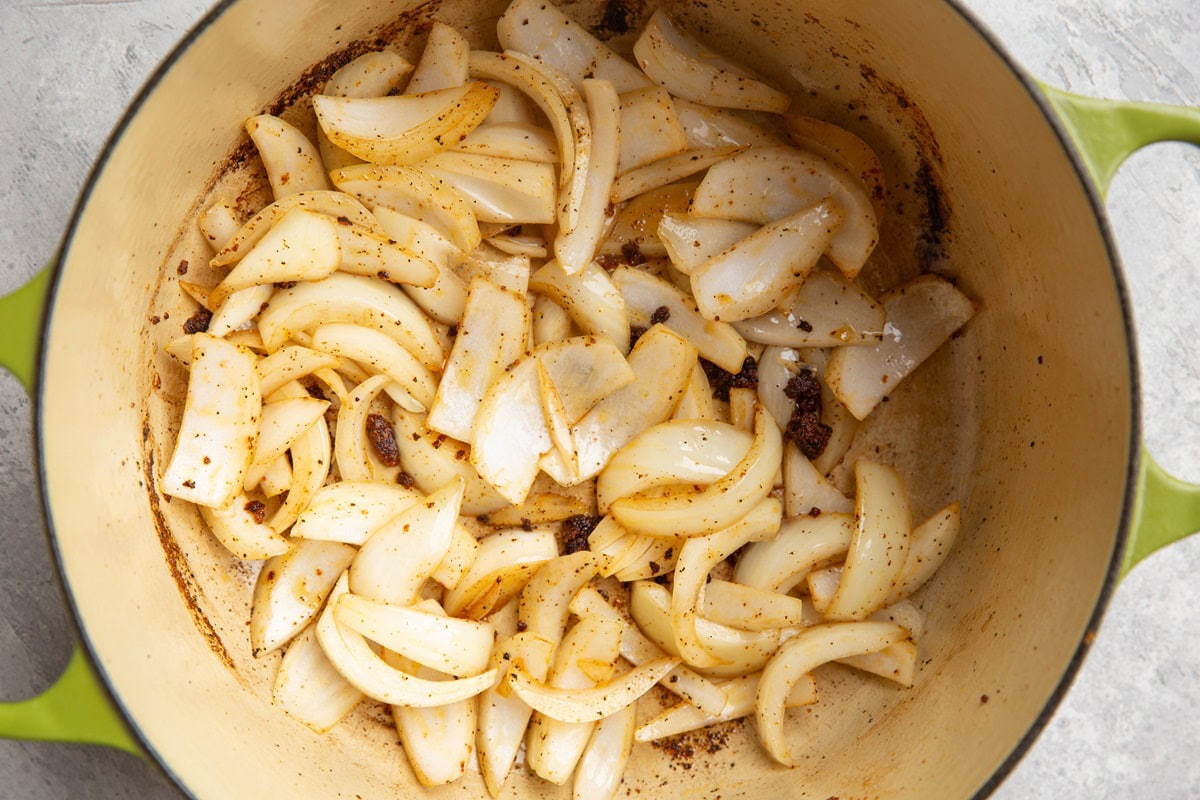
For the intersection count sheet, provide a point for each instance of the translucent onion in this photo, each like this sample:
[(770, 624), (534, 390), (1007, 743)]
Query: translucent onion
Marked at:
[(282, 423), (293, 164), (691, 241), (498, 189), (330, 203), (414, 385), (667, 170), (503, 715), (567, 704), (932, 541), (828, 311), (598, 773), (433, 459), (650, 128), (741, 691), (799, 656), (350, 511), (373, 74), (309, 688), (236, 527), (511, 140), (545, 600), (505, 563), (590, 298), (238, 309), (444, 61), (291, 589), (802, 543)]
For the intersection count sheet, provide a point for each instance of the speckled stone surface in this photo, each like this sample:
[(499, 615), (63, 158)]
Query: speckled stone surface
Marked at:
[(1129, 726)]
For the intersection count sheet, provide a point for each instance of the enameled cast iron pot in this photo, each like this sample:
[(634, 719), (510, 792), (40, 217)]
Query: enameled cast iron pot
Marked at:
[(1030, 416)]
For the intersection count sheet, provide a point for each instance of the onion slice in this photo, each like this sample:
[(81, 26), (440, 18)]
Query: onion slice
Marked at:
[(291, 589), (545, 600), (444, 61), (588, 705), (350, 511), (799, 656), (220, 420), (293, 164), (598, 773), (932, 541), (686, 68), (309, 688), (802, 544)]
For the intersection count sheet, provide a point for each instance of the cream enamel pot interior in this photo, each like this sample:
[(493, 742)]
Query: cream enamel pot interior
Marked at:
[(1029, 417)]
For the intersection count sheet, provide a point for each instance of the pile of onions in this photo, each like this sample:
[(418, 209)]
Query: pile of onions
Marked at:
[(456, 396)]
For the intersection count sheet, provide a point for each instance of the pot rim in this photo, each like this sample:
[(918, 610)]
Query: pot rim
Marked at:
[(1085, 184)]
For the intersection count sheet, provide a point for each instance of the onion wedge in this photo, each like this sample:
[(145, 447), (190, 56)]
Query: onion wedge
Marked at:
[(236, 527), (292, 162), (686, 68), (238, 309), (741, 692), (932, 541), (799, 656), (545, 600), (282, 423), (218, 224), (398, 557), (220, 420), (444, 61), (843, 148), (309, 688), (921, 315), (291, 589), (589, 297), (691, 241), (802, 544), (768, 183), (635, 225), (459, 647), (434, 459), (302, 245), (828, 311), (498, 189), (749, 609), (366, 301), (505, 563), (511, 140), (882, 538), (662, 364), (355, 461), (373, 74), (289, 364), (705, 126), (352, 656), (503, 715), (589, 705), (412, 385), (403, 129), (667, 170), (438, 741), (350, 511), (748, 278), (582, 217), (491, 336), (645, 294), (688, 511), (598, 773), (650, 128), (332, 204), (416, 193), (806, 489), (546, 33)]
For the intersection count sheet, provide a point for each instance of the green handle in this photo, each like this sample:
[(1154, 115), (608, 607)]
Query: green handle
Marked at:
[(1106, 132), (76, 708)]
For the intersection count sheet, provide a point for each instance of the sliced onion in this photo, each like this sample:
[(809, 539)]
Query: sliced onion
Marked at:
[(352, 452), (672, 453), (691, 511), (490, 337), (801, 544), (538, 509), (691, 241), (748, 278), (896, 662), (584, 370), (333, 204), (236, 528), (433, 459), (650, 128), (311, 456), (238, 309), (416, 193), (463, 550), (546, 33), (589, 705), (637, 650), (503, 715), (291, 589), (278, 477), (437, 741), (511, 432), (662, 364), (218, 224), (511, 140), (882, 537), (366, 301), (635, 224), (281, 424), (686, 68), (366, 252), (403, 129), (932, 541), (582, 215), (444, 298), (550, 321), (696, 559), (545, 600), (590, 298), (799, 656), (921, 315), (750, 609), (705, 126), (598, 773), (805, 489), (765, 184), (822, 586), (505, 563), (498, 189), (828, 311), (697, 402), (302, 246), (459, 647), (741, 692), (350, 511), (645, 294), (444, 61), (351, 655), (309, 688), (506, 271), (668, 170), (220, 419), (421, 238), (373, 74), (415, 384), (292, 162), (843, 148), (398, 557), (657, 559)]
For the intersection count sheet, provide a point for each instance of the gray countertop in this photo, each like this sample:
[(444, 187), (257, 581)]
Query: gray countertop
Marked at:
[(1129, 726)]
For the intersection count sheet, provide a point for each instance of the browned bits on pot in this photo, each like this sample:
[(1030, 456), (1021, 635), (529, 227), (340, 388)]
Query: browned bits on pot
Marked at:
[(405, 480), (575, 532), (805, 427), (660, 315), (198, 322), (256, 509), (636, 332), (383, 440), (633, 254), (182, 269)]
